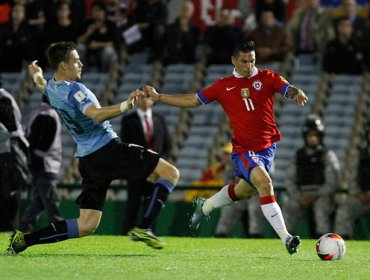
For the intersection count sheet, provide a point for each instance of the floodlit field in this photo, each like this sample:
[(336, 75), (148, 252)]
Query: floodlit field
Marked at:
[(115, 257)]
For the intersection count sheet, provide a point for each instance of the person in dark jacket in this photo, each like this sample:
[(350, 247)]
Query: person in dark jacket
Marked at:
[(181, 37), (148, 129), (347, 48), (221, 38)]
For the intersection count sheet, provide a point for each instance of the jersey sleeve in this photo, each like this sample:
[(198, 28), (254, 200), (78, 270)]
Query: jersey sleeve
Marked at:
[(280, 84), (209, 94), (80, 96)]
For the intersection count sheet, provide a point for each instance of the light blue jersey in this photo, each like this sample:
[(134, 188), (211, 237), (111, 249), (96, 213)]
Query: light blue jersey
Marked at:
[(70, 100)]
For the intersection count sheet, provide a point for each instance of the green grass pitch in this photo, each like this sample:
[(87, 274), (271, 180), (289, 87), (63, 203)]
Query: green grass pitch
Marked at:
[(117, 257)]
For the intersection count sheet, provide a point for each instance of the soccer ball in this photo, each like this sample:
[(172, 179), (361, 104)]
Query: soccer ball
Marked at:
[(330, 247)]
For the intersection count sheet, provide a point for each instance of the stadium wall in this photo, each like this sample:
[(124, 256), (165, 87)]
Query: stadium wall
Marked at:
[(173, 221)]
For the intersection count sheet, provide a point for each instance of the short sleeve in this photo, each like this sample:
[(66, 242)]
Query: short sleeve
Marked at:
[(209, 94), (280, 84), (80, 96)]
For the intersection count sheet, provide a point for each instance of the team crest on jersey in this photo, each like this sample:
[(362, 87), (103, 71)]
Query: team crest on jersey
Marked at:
[(244, 93), (80, 97), (257, 85)]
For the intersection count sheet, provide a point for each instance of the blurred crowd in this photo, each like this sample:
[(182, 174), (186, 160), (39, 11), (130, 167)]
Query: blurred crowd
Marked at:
[(178, 31)]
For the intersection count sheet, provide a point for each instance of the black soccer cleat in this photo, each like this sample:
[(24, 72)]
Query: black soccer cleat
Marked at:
[(292, 243)]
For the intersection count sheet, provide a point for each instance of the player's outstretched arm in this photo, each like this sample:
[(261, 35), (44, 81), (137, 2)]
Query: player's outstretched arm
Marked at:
[(188, 100), (101, 114), (35, 72), (297, 95)]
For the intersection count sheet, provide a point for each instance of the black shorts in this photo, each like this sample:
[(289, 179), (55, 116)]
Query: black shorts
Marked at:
[(116, 160)]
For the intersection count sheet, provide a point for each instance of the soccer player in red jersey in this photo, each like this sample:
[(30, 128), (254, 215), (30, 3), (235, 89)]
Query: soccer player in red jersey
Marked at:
[(247, 97)]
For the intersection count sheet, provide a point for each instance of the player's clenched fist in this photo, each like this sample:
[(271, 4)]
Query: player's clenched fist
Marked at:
[(151, 93), (35, 72)]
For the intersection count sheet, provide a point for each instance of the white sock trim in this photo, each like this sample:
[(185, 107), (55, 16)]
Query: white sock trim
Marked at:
[(218, 200)]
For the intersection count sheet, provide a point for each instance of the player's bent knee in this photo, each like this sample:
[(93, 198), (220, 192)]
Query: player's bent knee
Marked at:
[(175, 173), (171, 173), (167, 171), (87, 228), (88, 221)]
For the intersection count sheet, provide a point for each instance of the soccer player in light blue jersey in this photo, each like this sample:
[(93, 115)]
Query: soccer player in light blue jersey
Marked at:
[(102, 157)]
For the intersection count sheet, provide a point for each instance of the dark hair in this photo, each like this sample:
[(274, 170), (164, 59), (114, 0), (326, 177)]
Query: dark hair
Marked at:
[(60, 3), (58, 52), (244, 45), (100, 5)]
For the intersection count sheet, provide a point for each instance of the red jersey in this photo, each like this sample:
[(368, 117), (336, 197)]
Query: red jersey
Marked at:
[(249, 105)]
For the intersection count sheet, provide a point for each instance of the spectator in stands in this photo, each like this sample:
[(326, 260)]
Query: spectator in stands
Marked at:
[(181, 37), (151, 18), (247, 8), (148, 129), (36, 18), (272, 40), (97, 39), (63, 29), (359, 24), (36, 14), (311, 180), (14, 41), (220, 39), (345, 47), (311, 28), (76, 11), (117, 12), (276, 6), (230, 214), (14, 172), (44, 135), (358, 199)]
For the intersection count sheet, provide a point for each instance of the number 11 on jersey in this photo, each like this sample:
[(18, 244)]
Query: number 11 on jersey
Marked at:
[(249, 104)]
